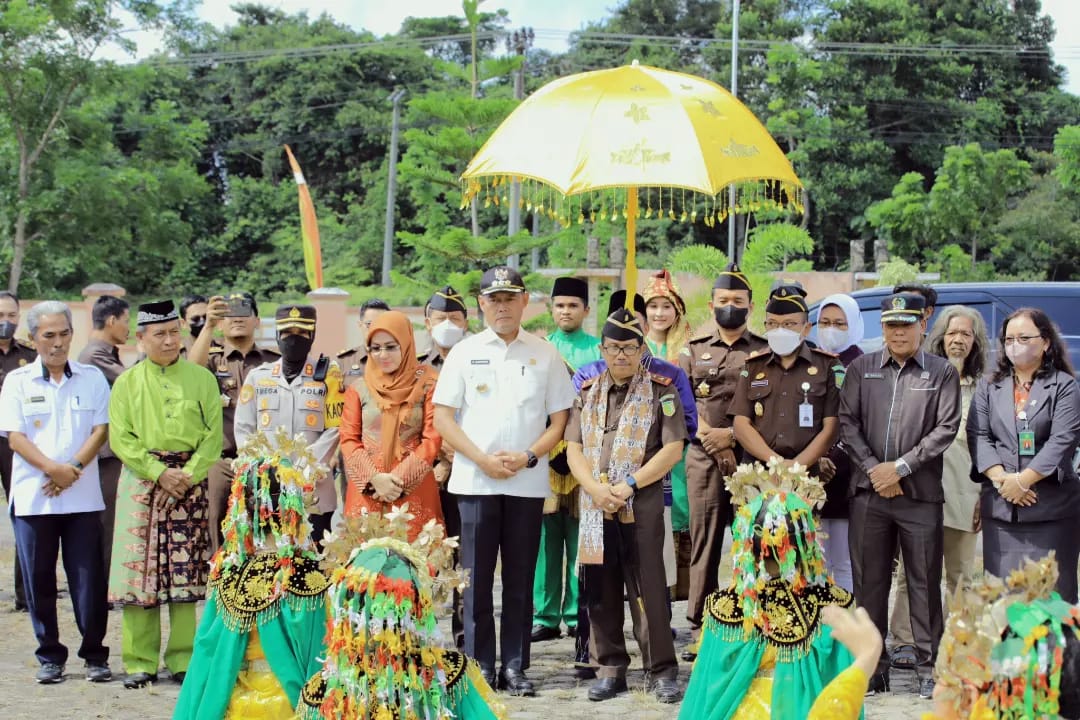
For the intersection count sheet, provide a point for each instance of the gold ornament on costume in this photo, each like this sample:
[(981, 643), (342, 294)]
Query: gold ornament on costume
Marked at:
[(752, 479)]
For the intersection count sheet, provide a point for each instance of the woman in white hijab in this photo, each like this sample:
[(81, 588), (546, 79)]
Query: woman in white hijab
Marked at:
[(839, 330)]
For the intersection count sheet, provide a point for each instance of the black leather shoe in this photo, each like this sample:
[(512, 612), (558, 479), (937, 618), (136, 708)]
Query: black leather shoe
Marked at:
[(606, 689), (489, 676), (515, 683), (98, 672), (571, 631), (50, 674), (540, 633), (135, 681), (667, 690), (179, 677), (879, 683)]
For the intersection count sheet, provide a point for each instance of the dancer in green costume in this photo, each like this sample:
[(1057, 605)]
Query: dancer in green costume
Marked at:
[(262, 631), (384, 659), (765, 652)]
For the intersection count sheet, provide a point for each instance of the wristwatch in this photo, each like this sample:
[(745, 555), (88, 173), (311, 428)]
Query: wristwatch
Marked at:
[(902, 468), (532, 459), (76, 464), (632, 482)]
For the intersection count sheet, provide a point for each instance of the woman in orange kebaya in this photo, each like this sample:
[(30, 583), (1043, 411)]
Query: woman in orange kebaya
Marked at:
[(388, 437)]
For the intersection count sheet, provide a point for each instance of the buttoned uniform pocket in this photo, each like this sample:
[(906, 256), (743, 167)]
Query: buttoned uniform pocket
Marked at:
[(36, 414)]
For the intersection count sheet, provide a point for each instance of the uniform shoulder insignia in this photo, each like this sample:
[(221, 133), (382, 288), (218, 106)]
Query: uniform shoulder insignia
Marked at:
[(25, 344), (216, 349), (348, 351), (660, 379), (755, 354), (590, 382), (826, 353), (701, 337)]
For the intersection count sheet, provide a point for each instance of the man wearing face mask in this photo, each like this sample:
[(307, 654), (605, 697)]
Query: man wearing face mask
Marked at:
[(193, 310), (237, 316), (447, 321), (713, 361), (300, 393), (13, 354), (788, 397)]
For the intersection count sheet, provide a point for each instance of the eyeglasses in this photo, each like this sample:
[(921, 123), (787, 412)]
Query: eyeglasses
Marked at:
[(839, 324), (620, 350), (384, 349), (793, 325), (1022, 339)]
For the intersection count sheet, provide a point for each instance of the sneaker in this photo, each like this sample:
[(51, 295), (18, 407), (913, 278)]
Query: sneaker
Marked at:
[(879, 683), (98, 672), (50, 674), (926, 688)]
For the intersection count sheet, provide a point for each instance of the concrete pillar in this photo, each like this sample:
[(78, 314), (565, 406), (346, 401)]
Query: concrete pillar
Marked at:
[(616, 252), (858, 255), (592, 252), (331, 326), (881, 253)]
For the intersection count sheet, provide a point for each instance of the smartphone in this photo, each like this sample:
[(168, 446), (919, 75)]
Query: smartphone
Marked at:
[(239, 306)]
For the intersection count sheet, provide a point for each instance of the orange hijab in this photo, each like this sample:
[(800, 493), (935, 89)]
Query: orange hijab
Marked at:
[(396, 392)]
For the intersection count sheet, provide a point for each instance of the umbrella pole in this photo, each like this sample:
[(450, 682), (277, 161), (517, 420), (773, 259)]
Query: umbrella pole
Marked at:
[(630, 273)]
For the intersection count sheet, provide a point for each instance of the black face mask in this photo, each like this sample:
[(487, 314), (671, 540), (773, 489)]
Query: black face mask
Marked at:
[(294, 348), (7, 330), (196, 328), (730, 317)]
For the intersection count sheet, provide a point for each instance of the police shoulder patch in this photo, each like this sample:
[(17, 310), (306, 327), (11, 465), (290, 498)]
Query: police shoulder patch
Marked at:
[(660, 379)]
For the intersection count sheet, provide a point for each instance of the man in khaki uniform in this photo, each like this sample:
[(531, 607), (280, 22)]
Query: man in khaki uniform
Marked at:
[(713, 362), (238, 317), (788, 397), (354, 360), (13, 354), (626, 431), (301, 394), (446, 320)]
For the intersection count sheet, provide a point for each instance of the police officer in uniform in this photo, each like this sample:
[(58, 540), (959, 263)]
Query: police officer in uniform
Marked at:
[(447, 321), (300, 393), (713, 362), (625, 433), (353, 360), (238, 317), (13, 354), (788, 397)]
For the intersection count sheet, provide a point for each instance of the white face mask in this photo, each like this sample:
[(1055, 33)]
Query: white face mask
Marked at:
[(446, 334), (783, 342), (833, 339)]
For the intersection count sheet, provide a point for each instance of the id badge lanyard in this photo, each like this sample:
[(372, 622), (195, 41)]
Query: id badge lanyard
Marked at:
[(1026, 436), (806, 410)]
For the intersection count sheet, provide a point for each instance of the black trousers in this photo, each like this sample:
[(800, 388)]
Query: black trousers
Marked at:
[(40, 538), (490, 523), (876, 525), (5, 479)]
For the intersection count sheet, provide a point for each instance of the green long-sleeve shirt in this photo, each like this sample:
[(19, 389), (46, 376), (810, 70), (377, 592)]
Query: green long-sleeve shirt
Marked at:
[(577, 348), (175, 408)]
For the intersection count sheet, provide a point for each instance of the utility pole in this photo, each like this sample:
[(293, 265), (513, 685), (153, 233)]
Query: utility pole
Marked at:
[(735, 92), (519, 42), (391, 188)]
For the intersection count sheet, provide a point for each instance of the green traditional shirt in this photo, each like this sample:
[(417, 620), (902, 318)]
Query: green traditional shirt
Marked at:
[(577, 348), (175, 408)]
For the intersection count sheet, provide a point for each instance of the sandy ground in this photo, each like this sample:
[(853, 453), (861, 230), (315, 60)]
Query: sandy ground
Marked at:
[(560, 694)]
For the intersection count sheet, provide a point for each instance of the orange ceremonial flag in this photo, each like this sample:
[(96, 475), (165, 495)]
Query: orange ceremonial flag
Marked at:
[(309, 227)]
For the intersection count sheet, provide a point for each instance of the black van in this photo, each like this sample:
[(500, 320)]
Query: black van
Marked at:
[(1059, 300)]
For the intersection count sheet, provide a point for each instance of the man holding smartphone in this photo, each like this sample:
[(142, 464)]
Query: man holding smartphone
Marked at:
[(237, 316)]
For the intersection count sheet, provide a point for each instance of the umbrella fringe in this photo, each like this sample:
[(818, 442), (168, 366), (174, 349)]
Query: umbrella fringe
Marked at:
[(680, 204)]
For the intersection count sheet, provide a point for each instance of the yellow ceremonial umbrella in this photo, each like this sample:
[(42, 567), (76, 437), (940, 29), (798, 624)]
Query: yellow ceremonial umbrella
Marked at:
[(585, 143)]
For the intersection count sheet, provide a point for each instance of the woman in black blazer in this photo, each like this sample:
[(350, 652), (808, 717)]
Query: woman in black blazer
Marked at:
[(1023, 430)]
